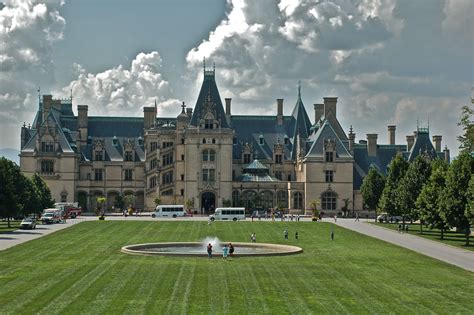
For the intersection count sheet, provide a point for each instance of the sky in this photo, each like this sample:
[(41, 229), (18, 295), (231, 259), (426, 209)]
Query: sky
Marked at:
[(403, 63)]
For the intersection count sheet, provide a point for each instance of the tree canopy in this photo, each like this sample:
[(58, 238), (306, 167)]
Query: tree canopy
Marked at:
[(372, 188)]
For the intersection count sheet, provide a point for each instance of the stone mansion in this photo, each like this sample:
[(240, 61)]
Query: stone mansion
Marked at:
[(208, 157)]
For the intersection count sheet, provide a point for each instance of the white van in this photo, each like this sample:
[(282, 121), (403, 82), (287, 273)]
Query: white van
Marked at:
[(169, 211), (233, 214)]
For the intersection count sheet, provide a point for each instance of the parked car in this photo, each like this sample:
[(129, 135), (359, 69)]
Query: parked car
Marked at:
[(28, 224), (385, 217)]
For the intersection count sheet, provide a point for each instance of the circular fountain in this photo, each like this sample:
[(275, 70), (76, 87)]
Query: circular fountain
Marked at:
[(199, 249)]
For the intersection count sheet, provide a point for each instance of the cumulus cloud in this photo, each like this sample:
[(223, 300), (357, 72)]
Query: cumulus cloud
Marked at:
[(120, 91), (377, 56), (28, 30)]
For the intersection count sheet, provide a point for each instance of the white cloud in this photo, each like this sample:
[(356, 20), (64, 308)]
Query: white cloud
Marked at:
[(119, 91), (28, 29)]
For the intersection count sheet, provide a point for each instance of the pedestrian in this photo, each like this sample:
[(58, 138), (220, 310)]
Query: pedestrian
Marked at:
[(253, 238), (297, 218), (231, 249), (225, 250), (209, 250), (296, 235), (335, 218), (357, 217), (285, 234)]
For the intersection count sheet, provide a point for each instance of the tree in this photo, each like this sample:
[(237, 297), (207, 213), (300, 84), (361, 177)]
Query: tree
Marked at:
[(119, 202), (345, 208), (388, 201), (467, 139), (313, 205), (455, 195), (416, 176), (226, 202), (43, 191), (101, 206), (372, 188), (428, 203), (31, 197), (8, 198), (157, 201), (189, 204)]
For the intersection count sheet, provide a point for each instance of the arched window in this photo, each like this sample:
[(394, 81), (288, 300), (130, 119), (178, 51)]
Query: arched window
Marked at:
[(248, 198), (328, 200), (209, 123), (208, 155), (298, 200), (282, 199), (235, 198), (267, 199)]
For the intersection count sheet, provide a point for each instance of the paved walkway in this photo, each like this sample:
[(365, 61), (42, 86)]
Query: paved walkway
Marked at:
[(450, 254)]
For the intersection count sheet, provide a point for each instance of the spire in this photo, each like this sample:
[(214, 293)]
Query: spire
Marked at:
[(299, 89)]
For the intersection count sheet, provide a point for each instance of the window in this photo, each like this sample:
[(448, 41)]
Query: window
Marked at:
[(89, 140), (63, 198), (328, 201), (278, 175), (153, 182), (182, 192), (47, 146), (209, 124), (204, 140), (153, 163), (282, 198), (182, 176), (182, 157), (153, 146), (99, 155), (213, 141), (233, 174), (47, 167), (278, 158), (287, 141), (167, 159), (98, 174), (329, 156), (140, 141), (128, 175), (128, 156), (168, 192), (167, 144), (208, 155), (289, 177), (115, 141), (261, 140), (167, 178), (208, 175), (182, 140), (235, 198), (329, 176), (298, 200), (246, 158), (234, 141)]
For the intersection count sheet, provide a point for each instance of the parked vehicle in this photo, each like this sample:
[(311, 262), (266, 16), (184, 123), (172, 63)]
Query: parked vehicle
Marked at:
[(70, 209), (51, 215), (233, 214), (169, 211), (385, 217), (28, 224)]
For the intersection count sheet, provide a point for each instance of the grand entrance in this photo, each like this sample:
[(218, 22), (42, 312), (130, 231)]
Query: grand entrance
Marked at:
[(208, 202)]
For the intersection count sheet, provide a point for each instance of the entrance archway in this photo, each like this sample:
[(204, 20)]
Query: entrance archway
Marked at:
[(208, 202)]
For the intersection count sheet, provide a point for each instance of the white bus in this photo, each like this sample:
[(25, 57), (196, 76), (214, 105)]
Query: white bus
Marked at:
[(233, 214), (169, 211)]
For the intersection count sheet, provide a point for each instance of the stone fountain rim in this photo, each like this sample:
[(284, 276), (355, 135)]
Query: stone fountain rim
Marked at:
[(284, 249)]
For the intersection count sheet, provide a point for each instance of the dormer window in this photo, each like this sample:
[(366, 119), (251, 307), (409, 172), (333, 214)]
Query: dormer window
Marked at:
[(47, 146), (128, 156), (261, 140), (140, 141), (99, 155), (329, 156), (89, 140), (247, 157), (115, 141), (278, 159), (287, 141), (209, 124)]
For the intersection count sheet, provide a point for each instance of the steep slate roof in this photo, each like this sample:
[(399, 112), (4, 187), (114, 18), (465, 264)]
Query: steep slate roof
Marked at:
[(302, 124), (422, 145), (326, 132), (209, 95)]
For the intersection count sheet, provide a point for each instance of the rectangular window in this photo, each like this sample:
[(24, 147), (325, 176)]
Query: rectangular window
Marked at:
[(329, 176), (182, 157), (153, 182), (47, 146), (246, 158), (167, 178), (289, 177), (98, 174), (153, 163), (208, 175), (182, 177), (167, 144), (47, 167), (182, 192), (329, 156), (99, 155), (167, 159), (128, 175), (278, 158), (153, 146), (128, 156)]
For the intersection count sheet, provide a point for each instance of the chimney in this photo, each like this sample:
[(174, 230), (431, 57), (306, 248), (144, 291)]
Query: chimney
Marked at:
[(227, 106), (372, 144), (82, 121), (410, 141), (148, 117), (351, 137), (446, 154), (391, 134), (330, 106), (47, 104), (437, 141), (280, 111), (318, 112)]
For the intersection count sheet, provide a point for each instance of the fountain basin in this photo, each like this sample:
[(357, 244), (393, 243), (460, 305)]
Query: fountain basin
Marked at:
[(198, 249)]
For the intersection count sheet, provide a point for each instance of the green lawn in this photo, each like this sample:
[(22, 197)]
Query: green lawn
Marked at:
[(81, 270), (450, 237)]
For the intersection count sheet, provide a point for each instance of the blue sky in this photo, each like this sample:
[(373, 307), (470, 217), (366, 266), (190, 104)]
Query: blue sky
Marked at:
[(388, 62)]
